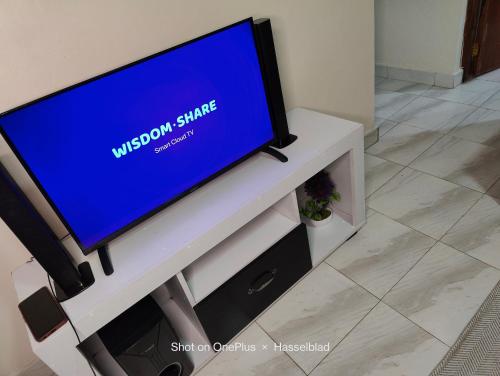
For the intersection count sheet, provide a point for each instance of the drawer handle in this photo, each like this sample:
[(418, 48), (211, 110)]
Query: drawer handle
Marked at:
[(262, 281)]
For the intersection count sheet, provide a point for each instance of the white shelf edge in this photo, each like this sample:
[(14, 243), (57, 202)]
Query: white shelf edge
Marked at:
[(325, 239), (217, 266)]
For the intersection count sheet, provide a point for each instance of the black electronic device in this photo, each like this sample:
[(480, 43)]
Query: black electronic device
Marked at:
[(42, 313), (231, 307), (105, 259), (178, 104), (269, 62), (276, 154), (32, 230), (141, 339)]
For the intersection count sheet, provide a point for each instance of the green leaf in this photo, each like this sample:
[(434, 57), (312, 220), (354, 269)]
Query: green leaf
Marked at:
[(335, 196)]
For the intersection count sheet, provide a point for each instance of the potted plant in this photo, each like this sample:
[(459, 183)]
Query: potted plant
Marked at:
[(317, 210)]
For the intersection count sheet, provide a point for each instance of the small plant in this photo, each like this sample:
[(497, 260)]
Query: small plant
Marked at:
[(321, 190)]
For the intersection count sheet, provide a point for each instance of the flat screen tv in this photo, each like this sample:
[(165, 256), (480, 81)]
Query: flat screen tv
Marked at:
[(112, 151)]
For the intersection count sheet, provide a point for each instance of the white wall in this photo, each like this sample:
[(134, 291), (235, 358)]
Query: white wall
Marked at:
[(325, 51), (424, 35)]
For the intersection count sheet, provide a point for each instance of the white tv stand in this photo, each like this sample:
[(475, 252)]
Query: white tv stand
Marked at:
[(186, 251)]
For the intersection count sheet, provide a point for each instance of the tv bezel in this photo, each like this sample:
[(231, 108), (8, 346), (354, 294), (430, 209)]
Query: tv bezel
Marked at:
[(151, 213)]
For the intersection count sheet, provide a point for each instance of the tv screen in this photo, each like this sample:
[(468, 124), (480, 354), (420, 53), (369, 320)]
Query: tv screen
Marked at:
[(112, 151)]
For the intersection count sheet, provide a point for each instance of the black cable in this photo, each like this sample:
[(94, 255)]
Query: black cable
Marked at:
[(69, 320)]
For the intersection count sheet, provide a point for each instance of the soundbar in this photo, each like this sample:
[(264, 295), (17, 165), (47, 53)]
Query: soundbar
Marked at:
[(267, 52), (35, 234)]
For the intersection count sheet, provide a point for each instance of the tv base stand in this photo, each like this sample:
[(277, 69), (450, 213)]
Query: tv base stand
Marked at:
[(105, 259), (276, 154)]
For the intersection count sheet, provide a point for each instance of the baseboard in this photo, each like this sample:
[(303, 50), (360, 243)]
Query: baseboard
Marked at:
[(449, 81), (371, 137)]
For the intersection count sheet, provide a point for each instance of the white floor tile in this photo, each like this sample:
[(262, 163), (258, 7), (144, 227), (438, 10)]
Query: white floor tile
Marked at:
[(463, 162), (380, 254), (478, 232), (384, 125), (403, 86), (491, 76), (377, 172), (384, 344), (387, 102), (321, 309), (474, 92), (264, 360), (493, 103), (423, 202), (443, 291), (482, 126), (433, 114), (403, 143)]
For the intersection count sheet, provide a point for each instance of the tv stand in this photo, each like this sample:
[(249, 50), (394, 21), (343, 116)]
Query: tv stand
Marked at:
[(105, 259), (186, 252), (276, 154)]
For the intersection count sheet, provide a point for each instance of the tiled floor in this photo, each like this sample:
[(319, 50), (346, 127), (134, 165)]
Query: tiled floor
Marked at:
[(393, 299)]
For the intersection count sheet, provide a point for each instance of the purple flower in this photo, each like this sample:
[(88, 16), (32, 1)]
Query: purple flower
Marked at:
[(320, 186)]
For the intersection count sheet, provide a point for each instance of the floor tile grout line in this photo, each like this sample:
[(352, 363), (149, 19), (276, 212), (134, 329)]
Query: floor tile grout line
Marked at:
[(284, 352), (491, 96), (347, 334), (495, 182), (397, 111), (417, 325), (403, 224), (382, 299), (477, 107), (357, 285), (471, 256), (414, 265), (428, 173), (439, 99), (440, 240), (430, 146), (462, 216), (392, 177), (453, 182), (409, 270)]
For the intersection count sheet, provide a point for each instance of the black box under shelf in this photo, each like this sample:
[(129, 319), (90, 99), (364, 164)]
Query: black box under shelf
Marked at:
[(243, 297), (140, 340)]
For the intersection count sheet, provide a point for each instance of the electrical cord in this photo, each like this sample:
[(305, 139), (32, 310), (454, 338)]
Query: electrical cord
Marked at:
[(72, 326)]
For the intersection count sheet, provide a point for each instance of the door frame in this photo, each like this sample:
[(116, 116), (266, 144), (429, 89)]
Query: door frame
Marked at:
[(471, 31)]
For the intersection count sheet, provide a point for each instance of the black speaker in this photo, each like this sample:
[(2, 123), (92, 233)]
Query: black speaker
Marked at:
[(140, 340), (265, 47), (31, 229)]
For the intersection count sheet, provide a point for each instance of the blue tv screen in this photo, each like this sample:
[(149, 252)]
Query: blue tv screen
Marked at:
[(112, 151)]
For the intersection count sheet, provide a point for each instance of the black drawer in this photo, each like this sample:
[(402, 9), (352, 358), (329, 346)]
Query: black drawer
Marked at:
[(238, 301)]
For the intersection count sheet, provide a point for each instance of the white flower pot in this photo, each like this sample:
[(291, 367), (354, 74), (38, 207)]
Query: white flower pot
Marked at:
[(312, 223)]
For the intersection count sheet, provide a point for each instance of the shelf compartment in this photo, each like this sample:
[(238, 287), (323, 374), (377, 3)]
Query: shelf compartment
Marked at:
[(217, 266), (325, 239)]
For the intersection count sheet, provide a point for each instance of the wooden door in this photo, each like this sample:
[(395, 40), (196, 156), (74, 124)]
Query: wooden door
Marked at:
[(481, 51)]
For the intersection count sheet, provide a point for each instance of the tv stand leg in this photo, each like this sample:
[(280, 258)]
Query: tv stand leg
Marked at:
[(276, 154), (107, 265)]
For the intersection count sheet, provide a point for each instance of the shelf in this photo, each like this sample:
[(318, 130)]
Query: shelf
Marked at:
[(325, 239), (226, 259), (167, 243), (253, 204)]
